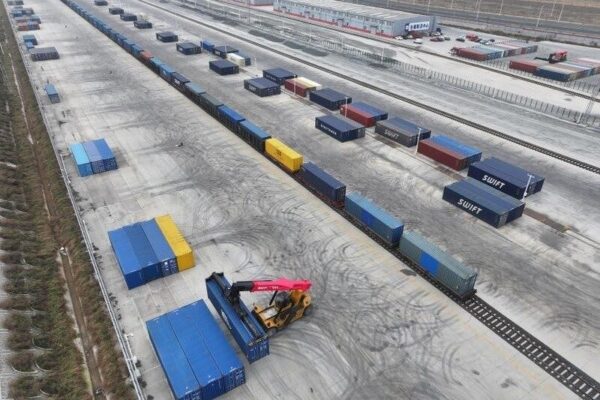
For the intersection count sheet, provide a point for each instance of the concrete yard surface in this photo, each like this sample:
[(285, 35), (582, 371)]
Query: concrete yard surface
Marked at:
[(377, 331)]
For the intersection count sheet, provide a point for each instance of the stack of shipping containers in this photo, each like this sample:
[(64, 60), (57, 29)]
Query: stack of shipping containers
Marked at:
[(194, 353), (93, 157), (149, 250)]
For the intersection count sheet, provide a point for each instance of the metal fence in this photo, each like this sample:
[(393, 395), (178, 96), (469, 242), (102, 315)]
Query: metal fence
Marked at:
[(579, 86), (274, 28)]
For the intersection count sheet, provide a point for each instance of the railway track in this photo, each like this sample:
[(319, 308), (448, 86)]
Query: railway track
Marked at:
[(421, 50), (578, 163), (542, 355)]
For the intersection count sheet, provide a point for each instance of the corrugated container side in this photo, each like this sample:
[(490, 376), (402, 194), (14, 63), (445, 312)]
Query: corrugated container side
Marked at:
[(175, 365), (297, 87), (442, 155), (226, 361), (254, 135), (143, 250), (515, 206), (329, 98), (502, 177), (402, 131), (324, 184), (160, 246), (84, 168), (108, 157), (224, 355), (339, 128), (230, 118), (375, 112), (379, 221), (94, 156), (278, 75), (454, 275), (210, 104), (126, 258), (250, 336), (472, 154), (490, 208), (358, 115), (180, 247), (190, 336), (284, 155)]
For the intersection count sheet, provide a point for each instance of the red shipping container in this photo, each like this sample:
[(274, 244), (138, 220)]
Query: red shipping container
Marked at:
[(296, 87), (526, 65), (472, 54), (145, 56), (349, 111), (442, 155)]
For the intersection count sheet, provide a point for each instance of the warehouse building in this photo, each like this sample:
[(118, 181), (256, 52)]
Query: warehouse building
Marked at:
[(368, 19)]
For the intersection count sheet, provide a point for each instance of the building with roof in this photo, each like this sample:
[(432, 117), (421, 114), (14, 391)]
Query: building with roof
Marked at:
[(375, 20)]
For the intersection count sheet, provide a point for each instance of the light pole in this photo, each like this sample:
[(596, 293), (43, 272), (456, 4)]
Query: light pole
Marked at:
[(501, 6), (346, 106), (553, 5), (418, 140), (539, 17), (561, 11), (529, 178), (478, 10)]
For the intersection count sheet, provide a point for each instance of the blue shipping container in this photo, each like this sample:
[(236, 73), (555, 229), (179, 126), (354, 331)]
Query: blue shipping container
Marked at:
[(483, 202), (108, 158), (179, 80), (324, 184), (454, 275), (166, 72), (126, 258), (189, 330), (506, 177), (223, 67), (230, 118), (95, 157), (248, 333), (227, 361), (81, 160), (30, 39), (208, 46), (379, 221), (329, 98), (228, 364), (222, 51), (340, 128), (161, 248), (143, 250), (254, 135), (472, 154), (175, 365), (278, 75), (262, 87)]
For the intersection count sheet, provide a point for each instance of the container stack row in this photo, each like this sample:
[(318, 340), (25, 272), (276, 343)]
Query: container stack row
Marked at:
[(149, 250), (25, 18), (93, 157), (198, 361), (563, 71), (495, 50)]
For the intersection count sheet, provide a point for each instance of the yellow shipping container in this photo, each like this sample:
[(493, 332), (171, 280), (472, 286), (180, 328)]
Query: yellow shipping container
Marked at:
[(284, 155), (180, 247)]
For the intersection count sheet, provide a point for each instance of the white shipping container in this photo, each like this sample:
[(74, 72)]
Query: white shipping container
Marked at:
[(234, 58)]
